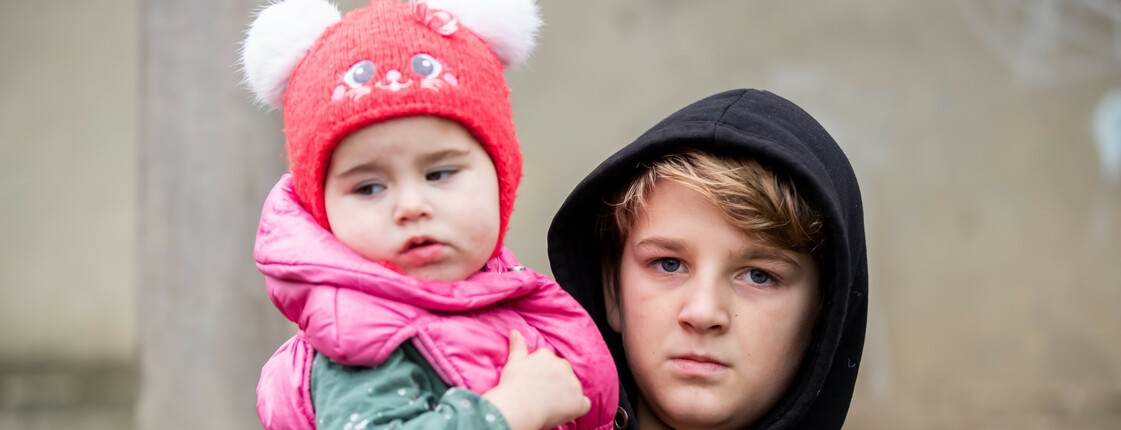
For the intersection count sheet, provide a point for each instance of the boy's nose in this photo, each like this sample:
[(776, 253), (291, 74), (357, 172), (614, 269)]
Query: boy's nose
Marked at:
[(411, 205), (705, 309)]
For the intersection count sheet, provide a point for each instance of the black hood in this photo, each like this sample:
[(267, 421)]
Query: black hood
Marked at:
[(780, 135)]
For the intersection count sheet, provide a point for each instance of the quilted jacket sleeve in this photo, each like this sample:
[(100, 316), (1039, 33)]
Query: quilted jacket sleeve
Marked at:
[(283, 401)]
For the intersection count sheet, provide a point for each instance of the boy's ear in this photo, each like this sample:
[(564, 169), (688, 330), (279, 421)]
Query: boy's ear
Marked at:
[(611, 305)]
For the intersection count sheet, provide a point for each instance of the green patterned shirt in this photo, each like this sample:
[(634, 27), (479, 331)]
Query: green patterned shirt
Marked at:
[(404, 392)]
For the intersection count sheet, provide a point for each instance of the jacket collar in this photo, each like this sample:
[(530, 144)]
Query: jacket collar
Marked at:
[(292, 247)]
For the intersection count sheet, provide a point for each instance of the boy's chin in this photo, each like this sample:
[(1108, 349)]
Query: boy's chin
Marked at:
[(702, 410)]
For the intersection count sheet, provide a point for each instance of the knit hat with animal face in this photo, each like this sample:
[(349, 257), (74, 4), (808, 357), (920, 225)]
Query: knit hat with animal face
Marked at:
[(333, 76)]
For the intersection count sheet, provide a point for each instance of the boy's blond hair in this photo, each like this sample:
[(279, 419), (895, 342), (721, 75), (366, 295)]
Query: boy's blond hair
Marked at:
[(751, 197)]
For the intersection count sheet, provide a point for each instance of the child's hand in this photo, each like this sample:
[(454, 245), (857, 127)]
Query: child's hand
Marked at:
[(537, 390)]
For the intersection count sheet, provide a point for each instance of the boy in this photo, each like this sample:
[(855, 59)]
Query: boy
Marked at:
[(722, 256)]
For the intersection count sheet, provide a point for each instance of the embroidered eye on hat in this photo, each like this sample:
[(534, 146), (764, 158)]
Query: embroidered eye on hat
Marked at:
[(334, 75)]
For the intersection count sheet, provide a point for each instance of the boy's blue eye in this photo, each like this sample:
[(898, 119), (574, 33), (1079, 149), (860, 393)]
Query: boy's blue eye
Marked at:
[(439, 175), (369, 189), (360, 73), (669, 265), (758, 276)]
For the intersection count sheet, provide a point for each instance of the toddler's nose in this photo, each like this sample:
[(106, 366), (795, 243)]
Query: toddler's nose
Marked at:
[(411, 206)]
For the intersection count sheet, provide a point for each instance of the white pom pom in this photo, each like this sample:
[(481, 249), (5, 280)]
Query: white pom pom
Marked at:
[(277, 40), (509, 27)]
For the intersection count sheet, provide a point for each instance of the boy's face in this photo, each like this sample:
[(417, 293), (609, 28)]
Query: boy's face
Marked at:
[(714, 324), (418, 192)]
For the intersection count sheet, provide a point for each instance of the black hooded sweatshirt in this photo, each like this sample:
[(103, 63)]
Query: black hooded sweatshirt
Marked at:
[(780, 135)]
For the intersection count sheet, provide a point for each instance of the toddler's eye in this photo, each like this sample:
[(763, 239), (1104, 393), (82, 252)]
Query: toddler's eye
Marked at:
[(360, 73), (439, 175), (758, 276), (369, 188), (669, 265), (425, 65)]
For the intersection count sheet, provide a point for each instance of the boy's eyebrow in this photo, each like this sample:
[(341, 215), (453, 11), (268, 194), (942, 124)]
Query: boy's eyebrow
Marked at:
[(771, 254), (750, 253), (662, 242)]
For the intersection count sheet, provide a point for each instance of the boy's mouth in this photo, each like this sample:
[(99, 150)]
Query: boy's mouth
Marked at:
[(698, 365)]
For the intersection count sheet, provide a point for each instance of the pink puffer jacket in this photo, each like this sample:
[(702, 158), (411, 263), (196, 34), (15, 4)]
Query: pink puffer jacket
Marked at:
[(357, 312)]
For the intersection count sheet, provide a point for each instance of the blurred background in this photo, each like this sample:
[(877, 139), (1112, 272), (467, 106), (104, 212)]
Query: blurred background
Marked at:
[(986, 135)]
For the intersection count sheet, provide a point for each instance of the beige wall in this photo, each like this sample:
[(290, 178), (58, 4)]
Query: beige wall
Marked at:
[(69, 88), (994, 235)]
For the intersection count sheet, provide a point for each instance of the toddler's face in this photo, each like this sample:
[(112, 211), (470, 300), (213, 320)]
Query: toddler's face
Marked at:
[(714, 324), (418, 192)]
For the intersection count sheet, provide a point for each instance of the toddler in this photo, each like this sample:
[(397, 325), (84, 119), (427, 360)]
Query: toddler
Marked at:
[(384, 244)]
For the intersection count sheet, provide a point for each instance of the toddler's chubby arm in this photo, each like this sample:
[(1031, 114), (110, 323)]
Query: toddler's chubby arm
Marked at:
[(401, 393), (537, 390)]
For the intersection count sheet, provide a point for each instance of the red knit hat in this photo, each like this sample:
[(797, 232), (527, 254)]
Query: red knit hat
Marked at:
[(388, 60)]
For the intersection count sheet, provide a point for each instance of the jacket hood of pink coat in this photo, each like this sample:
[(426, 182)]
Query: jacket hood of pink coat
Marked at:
[(293, 247)]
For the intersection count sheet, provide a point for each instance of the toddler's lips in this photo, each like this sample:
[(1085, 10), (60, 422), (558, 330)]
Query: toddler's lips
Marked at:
[(423, 253), (420, 251)]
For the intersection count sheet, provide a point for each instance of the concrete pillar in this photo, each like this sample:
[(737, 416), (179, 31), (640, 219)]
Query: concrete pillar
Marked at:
[(209, 157)]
